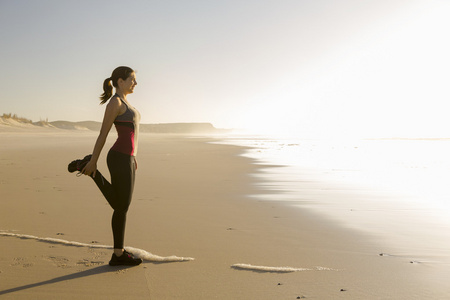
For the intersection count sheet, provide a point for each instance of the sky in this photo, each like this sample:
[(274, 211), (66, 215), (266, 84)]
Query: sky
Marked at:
[(373, 68)]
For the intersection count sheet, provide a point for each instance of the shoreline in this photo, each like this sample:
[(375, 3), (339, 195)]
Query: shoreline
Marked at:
[(410, 195), (193, 199)]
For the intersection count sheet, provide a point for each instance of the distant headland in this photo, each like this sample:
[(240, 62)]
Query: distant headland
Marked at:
[(13, 122)]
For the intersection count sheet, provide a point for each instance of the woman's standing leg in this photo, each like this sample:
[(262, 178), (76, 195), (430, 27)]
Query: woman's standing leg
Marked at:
[(122, 169), (119, 193)]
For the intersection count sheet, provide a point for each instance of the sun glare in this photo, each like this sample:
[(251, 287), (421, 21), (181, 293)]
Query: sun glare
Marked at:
[(392, 84)]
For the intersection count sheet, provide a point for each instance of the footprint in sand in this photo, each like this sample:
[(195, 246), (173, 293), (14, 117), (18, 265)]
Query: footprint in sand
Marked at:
[(21, 262), (97, 254), (17, 261), (89, 263), (58, 261)]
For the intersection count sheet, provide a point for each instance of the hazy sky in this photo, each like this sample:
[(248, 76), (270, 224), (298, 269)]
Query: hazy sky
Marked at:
[(329, 67)]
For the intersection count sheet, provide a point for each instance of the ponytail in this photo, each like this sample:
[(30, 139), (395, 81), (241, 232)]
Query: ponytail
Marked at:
[(119, 72), (107, 91)]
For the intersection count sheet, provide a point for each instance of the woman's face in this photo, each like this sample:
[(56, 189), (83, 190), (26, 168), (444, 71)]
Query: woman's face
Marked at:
[(127, 86)]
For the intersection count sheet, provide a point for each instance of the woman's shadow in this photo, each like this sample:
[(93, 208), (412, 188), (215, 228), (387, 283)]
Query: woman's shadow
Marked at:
[(86, 273)]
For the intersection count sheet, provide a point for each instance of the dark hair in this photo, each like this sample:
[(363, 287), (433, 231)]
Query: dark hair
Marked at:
[(119, 72)]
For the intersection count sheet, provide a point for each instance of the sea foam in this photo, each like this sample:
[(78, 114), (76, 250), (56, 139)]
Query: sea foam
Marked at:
[(139, 253), (278, 269)]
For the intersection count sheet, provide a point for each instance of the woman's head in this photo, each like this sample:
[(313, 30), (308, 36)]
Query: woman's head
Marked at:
[(122, 73)]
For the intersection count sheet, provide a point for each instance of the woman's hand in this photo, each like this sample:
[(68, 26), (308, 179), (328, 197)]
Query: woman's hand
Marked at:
[(135, 162), (90, 169)]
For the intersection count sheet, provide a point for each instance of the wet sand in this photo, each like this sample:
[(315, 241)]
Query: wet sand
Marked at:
[(191, 200)]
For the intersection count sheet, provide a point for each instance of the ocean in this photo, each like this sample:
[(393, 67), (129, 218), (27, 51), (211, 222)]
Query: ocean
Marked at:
[(394, 190)]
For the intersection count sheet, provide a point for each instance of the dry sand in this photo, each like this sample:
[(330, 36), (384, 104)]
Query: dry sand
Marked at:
[(192, 200)]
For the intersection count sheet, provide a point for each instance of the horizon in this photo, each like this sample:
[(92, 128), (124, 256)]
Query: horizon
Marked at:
[(25, 119), (287, 67), (233, 132)]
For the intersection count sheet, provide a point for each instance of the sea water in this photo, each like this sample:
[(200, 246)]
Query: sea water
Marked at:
[(396, 190)]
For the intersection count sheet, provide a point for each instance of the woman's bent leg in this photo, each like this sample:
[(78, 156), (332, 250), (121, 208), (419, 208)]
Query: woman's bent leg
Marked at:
[(105, 187)]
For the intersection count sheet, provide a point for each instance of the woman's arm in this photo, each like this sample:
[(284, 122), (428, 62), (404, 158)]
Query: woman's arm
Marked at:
[(112, 110)]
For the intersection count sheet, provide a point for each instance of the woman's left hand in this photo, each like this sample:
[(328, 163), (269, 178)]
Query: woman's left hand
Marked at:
[(135, 163)]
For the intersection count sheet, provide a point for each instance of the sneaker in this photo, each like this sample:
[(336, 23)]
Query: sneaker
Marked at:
[(79, 164), (125, 259)]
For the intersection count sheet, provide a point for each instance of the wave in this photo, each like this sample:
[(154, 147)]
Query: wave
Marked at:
[(139, 253), (145, 255), (278, 269)]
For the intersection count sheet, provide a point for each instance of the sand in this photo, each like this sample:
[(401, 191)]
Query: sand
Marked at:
[(192, 199)]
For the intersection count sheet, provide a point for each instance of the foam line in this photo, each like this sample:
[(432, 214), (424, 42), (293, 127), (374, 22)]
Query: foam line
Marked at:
[(153, 257), (268, 269), (135, 251), (277, 269)]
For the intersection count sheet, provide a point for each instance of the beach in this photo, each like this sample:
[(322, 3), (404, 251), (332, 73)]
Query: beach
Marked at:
[(193, 199)]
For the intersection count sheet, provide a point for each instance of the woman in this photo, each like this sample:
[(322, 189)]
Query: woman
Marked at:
[(121, 157)]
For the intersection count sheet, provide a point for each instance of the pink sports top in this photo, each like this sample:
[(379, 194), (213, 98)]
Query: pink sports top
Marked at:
[(127, 126)]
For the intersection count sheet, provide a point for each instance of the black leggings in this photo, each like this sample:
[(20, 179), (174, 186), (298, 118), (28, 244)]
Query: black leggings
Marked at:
[(118, 193)]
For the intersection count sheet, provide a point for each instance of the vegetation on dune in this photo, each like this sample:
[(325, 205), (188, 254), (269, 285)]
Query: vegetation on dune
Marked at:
[(16, 118)]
